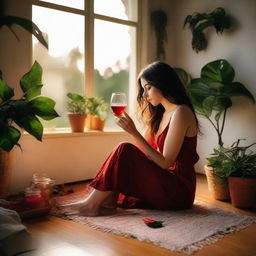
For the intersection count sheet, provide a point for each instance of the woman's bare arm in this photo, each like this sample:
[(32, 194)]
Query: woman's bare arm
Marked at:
[(181, 120)]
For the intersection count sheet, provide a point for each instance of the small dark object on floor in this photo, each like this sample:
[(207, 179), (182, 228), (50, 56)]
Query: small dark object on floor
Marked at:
[(71, 190), (153, 223)]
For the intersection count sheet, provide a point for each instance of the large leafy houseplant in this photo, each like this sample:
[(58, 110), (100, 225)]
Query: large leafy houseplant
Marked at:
[(212, 93), (23, 113), (211, 96)]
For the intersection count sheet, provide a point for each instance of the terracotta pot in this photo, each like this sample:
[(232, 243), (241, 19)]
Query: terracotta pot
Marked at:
[(217, 186), (77, 122), (5, 173), (94, 123), (242, 192)]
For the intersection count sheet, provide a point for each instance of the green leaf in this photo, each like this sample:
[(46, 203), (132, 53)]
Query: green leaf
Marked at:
[(31, 124), (27, 24), (33, 92), (75, 97), (223, 103), (43, 107), (32, 79), (9, 137), (184, 77), (217, 71), (218, 115), (6, 92), (208, 105), (236, 89)]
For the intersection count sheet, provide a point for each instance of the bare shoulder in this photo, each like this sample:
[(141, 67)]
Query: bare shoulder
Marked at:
[(183, 111)]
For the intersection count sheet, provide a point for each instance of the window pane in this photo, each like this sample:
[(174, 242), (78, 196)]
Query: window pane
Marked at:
[(114, 60), (79, 4), (122, 9), (63, 63)]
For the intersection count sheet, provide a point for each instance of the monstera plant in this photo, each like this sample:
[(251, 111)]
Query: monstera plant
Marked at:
[(24, 112), (212, 96), (212, 93)]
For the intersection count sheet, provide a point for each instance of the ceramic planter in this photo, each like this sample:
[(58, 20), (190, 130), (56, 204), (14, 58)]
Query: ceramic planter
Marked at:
[(218, 187), (242, 192), (77, 122), (97, 123)]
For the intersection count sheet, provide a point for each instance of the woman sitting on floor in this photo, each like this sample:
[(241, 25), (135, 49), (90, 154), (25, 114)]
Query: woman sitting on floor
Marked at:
[(158, 172)]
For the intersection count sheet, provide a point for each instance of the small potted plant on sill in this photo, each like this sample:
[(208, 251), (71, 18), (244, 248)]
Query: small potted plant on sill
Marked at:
[(237, 164), (98, 110), (212, 96), (77, 111)]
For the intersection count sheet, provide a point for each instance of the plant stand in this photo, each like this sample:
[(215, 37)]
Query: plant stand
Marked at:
[(5, 173), (217, 186)]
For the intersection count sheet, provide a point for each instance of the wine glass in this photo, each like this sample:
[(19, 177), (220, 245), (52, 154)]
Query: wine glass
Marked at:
[(118, 103)]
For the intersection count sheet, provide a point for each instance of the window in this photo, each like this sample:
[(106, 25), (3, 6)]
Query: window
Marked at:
[(92, 50)]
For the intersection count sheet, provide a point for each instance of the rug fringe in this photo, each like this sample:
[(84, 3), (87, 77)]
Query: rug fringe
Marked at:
[(192, 248)]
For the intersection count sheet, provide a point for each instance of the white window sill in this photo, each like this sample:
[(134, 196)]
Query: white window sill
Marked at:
[(66, 132)]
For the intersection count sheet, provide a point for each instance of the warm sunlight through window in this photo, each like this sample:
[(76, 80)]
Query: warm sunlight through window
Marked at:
[(113, 54)]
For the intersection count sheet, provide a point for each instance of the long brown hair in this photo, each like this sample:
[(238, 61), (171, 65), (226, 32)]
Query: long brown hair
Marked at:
[(163, 77)]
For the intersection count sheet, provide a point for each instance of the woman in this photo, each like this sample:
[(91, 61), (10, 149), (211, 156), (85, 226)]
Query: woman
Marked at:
[(159, 171)]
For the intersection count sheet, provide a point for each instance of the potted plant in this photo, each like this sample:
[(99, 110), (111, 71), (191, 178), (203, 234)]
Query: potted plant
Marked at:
[(77, 111), (212, 96), (98, 110), (158, 23), (242, 180), (198, 22), (21, 113), (238, 165)]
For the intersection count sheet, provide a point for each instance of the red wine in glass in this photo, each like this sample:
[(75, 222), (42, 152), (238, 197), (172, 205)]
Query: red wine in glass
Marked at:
[(118, 103)]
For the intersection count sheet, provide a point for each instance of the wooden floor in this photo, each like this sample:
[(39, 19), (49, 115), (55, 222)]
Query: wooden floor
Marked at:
[(58, 237)]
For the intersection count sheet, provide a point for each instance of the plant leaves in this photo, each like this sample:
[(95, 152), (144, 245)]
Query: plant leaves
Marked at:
[(184, 77), (28, 25), (32, 79), (75, 97), (217, 71), (9, 137), (236, 89), (33, 92), (31, 124), (208, 105), (6, 92), (43, 107)]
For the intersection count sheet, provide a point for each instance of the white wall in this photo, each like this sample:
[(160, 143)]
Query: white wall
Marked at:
[(237, 46)]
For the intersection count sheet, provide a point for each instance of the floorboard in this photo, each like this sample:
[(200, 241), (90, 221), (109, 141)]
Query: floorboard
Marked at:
[(61, 237)]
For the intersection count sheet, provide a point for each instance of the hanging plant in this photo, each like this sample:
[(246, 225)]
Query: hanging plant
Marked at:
[(198, 22), (159, 23)]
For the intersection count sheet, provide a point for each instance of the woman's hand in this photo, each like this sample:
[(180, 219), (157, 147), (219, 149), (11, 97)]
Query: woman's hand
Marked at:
[(126, 123)]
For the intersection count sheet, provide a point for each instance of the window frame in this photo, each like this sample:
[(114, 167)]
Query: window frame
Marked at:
[(141, 26)]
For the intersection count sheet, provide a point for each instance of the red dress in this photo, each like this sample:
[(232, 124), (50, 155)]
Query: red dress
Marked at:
[(142, 183)]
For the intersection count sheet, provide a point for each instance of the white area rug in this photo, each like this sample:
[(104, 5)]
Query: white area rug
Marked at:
[(183, 231)]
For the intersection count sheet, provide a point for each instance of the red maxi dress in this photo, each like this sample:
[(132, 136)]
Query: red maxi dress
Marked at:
[(143, 184)]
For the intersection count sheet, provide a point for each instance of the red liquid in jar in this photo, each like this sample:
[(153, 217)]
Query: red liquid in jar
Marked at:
[(118, 110), (34, 201)]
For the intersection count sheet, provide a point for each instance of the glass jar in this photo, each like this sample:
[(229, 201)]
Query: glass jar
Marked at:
[(33, 197), (45, 184)]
